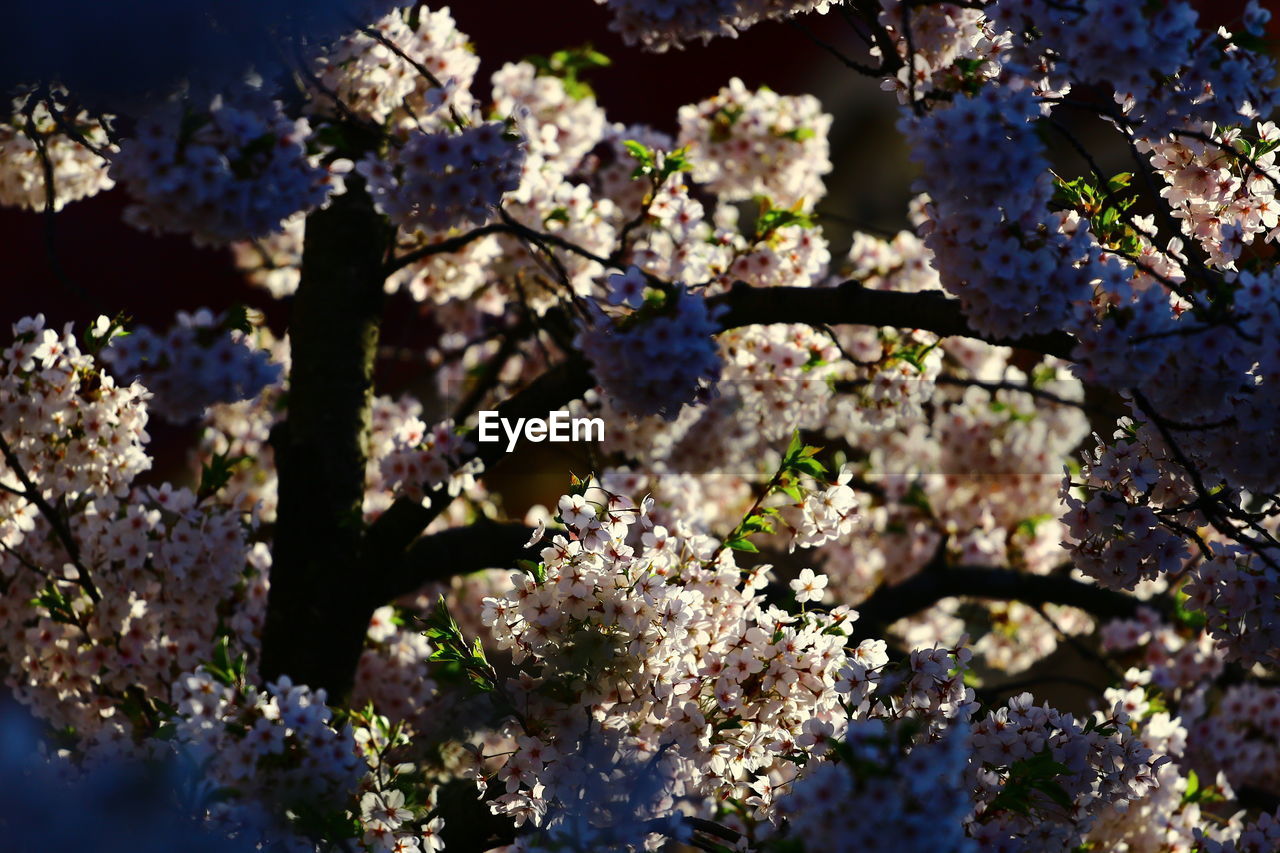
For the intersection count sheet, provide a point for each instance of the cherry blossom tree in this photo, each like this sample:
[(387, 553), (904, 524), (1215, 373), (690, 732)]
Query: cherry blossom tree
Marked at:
[(854, 521)]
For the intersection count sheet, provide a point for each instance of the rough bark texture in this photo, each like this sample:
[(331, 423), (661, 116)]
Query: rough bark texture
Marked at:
[(316, 614)]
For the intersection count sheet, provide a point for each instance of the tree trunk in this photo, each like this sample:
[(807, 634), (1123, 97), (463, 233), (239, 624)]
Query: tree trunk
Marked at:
[(316, 614)]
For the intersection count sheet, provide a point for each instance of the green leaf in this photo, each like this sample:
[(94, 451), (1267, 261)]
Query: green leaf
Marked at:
[(1028, 526), (57, 604), (771, 218), (1195, 619), (567, 65), (1054, 791), (93, 343), (734, 722), (237, 318), (1193, 787), (793, 491), (578, 485), (217, 472), (794, 448), (674, 161), (739, 543), (799, 134), (810, 466), (1120, 181), (917, 498), (723, 121)]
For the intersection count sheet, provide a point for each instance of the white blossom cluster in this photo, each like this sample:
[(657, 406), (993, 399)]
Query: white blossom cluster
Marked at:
[(1117, 537), (647, 673), (69, 425), (78, 171), (198, 362), (745, 144), (435, 181), (1223, 193), (275, 746), (273, 262), (1236, 589), (792, 256), (123, 804), (234, 167), (660, 25), (379, 77), (559, 127), (560, 130), (418, 459), (982, 221), (674, 344), (1160, 65), (1168, 817), (1174, 663), (1104, 764), (898, 800), (128, 602), (949, 47), (780, 374), (1257, 836), (1126, 523), (1238, 737), (394, 673), (659, 642), (683, 243), (607, 167)]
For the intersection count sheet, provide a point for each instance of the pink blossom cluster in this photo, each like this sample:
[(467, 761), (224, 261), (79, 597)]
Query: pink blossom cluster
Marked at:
[(418, 459), (662, 644), (1257, 836), (68, 424), (897, 795), (1222, 192), (1171, 661), (950, 47), (1239, 737), (1117, 537)]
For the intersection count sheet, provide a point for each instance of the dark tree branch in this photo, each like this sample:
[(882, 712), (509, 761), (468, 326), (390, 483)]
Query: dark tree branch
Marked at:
[(314, 629), (849, 62), (852, 303), (404, 520), (456, 551), (55, 518), (921, 591)]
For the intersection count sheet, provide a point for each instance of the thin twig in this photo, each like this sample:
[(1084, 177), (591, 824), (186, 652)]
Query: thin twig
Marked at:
[(55, 519)]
